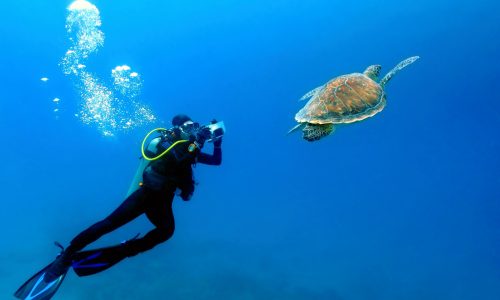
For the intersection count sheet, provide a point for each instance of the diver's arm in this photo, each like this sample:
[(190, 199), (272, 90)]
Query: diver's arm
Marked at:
[(214, 160)]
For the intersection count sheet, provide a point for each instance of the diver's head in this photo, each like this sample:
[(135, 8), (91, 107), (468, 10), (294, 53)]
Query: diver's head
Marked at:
[(189, 129), (180, 119), (186, 126)]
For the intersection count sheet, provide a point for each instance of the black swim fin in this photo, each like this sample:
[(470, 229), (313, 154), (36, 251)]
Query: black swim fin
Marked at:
[(37, 289), (90, 262)]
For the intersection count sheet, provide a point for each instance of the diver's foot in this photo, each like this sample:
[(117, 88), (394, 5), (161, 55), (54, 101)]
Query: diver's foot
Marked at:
[(130, 248), (59, 267)]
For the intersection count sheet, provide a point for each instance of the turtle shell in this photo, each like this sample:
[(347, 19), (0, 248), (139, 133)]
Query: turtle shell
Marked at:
[(344, 99)]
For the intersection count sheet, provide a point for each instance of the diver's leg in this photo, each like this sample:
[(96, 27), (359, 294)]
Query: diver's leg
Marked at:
[(130, 209), (159, 212)]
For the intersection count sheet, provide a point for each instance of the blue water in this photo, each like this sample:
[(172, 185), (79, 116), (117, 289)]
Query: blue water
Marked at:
[(404, 205)]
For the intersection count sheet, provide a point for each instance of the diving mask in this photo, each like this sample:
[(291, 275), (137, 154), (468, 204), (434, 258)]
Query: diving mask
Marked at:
[(190, 127)]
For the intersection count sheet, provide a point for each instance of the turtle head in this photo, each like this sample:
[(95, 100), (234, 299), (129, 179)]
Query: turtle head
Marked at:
[(373, 71)]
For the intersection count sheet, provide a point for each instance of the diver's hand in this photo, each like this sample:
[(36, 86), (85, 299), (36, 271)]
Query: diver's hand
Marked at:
[(186, 196), (218, 143), (203, 134)]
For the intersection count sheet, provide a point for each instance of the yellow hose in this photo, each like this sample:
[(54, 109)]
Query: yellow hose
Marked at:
[(164, 152)]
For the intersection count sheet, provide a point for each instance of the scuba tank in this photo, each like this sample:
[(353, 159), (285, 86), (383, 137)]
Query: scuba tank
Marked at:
[(166, 139), (143, 163)]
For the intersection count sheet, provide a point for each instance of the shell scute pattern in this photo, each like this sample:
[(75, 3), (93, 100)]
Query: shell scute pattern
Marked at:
[(345, 99)]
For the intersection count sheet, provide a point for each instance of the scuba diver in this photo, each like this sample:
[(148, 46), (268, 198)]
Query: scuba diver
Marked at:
[(163, 175)]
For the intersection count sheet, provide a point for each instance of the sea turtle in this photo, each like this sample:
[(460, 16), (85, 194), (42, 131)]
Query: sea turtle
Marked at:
[(344, 99)]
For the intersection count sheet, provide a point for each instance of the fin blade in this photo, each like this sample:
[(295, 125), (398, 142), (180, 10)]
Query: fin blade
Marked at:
[(36, 288), (90, 262)]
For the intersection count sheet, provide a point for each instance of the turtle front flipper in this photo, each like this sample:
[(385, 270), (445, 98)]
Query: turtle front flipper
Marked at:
[(312, 93), (315, 132), (397, 68)]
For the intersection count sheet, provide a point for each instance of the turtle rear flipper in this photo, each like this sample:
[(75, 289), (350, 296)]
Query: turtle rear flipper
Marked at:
[(398, 68), (315, 132), (296, 128)]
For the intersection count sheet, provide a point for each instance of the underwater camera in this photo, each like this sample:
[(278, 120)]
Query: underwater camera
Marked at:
[(217, 130)]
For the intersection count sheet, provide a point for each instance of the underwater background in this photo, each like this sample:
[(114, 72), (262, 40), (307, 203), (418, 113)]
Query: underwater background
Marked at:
[(404, 205)]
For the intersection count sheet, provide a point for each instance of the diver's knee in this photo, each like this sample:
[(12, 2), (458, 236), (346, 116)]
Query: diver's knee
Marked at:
[(166, 233)]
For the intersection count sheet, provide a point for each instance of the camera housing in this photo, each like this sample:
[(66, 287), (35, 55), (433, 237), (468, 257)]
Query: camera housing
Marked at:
[(217, 130)]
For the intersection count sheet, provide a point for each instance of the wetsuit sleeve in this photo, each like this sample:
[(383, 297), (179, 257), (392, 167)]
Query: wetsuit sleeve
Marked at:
[(215, 159)]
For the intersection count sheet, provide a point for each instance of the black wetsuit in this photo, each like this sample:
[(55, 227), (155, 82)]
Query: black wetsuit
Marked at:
[(161, 179)]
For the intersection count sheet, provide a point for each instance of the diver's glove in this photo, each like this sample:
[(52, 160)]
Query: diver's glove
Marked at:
[(186, 196), (217, 142), (202, 135), (187, 190)]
